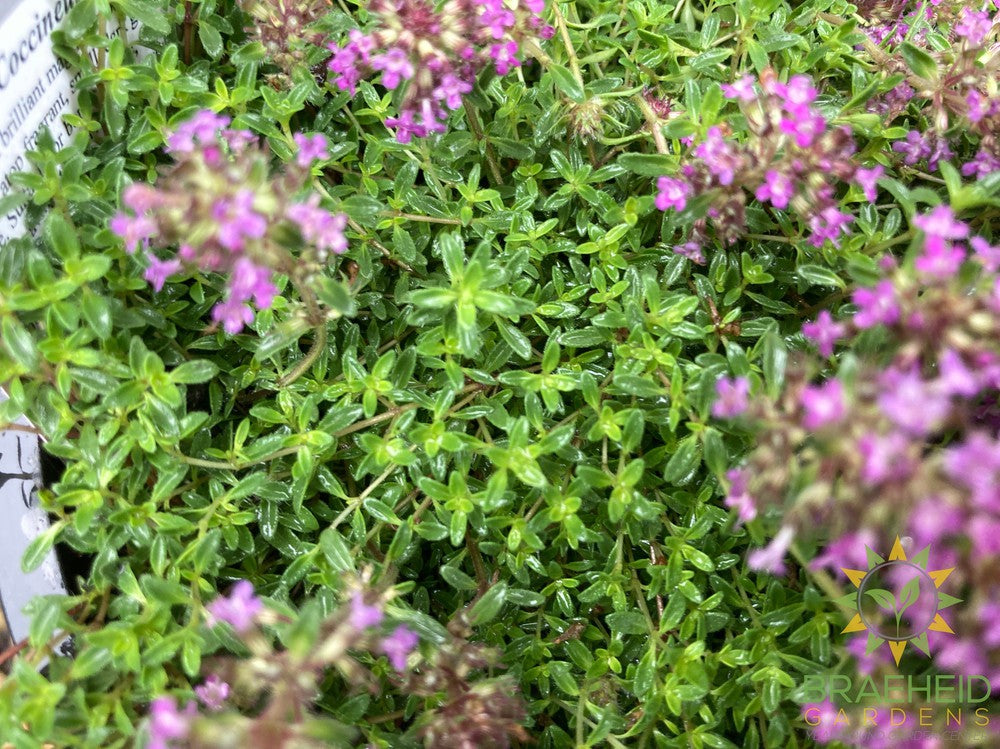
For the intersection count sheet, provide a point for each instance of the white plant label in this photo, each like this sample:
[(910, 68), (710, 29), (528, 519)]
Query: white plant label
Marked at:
[(21, 520), (36, 89)]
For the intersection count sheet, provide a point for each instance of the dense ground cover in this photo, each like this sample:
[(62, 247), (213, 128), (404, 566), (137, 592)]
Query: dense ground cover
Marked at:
[(529, 362)]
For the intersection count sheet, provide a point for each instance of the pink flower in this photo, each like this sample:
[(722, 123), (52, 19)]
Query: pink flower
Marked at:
[(364, 616), (141, 197), (960, 656), (167, 724), (939, 150), (900, 95), (988, 255), (159, 270), (719, 156), (237, 220), (975, 464), (133, 229), (451, 90), (772, 557), (956, 378), (347, 61), (732, 397), (362, 44), (239, 140), (823, 404), (876, 306), (233, 314), (741, 89), (989, 617), (672, 193), (311, 149), (504, 57), (885, 457), (973, 26), (406, 126), (395, 66), (319, 227), (934, 519), (982, 164), (846, 551), (738, 497), (828, 224), (213, 693), (496, 18), (398, 645), (239, 609), (202, 129), (803, 127), (914, 148), (824, 332), (858, 647), (976, 103), (984, 532), (692, 251), (798, 94), (249, 280), (941, 223), (868, 180), (777, 188), (939, 259), (911, 403)]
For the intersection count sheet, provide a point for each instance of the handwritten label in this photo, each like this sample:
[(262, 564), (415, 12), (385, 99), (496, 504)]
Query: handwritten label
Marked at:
[(21, 520)]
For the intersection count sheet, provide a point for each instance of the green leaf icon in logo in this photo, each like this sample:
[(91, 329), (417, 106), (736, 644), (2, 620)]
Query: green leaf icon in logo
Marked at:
[(908, 597), (887, 601), (884, 598)]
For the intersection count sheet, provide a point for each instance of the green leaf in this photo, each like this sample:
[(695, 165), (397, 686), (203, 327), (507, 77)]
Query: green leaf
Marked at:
[(381, 511), (487, 607), (683, 464), (18, 342), (628, 623), (457, 579), (39, 547), (97, 312), (648, 164), (560, 673), (210, 39), (150, 14), (566, 83), (336, 550), (60, 236), (919, 61), (193, 372), (819, 275), (775, 357)]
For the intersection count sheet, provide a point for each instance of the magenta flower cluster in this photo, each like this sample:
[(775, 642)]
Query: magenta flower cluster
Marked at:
[(239, 609), (910, 444), (223, 213), (959, 101), (168, 723), (435, 53), (397, 645), (791, 161), (359, 625)]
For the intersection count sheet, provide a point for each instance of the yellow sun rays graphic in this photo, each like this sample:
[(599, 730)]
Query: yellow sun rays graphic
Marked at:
[(898, 645)]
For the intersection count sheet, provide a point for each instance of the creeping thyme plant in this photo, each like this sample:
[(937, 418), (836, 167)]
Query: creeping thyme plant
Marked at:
[(494, 373)]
